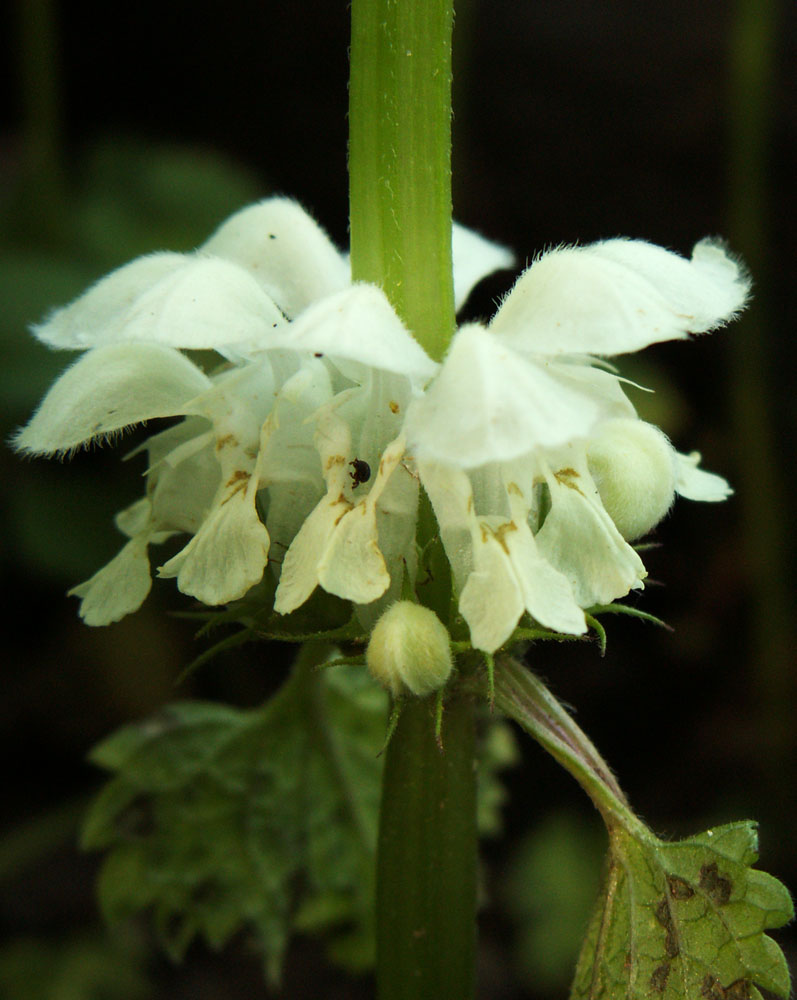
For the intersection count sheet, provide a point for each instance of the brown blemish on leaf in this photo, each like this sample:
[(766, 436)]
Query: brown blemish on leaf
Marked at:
[(514, 488), (712, 989), (664, 917), (659, 976), (662, 912), (671, 945), (394, 407), (718, 887), (679, 888)]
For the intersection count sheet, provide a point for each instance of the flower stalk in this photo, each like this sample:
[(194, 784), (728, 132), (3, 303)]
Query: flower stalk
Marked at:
[(426, 862), (400, 160), (400, 190)]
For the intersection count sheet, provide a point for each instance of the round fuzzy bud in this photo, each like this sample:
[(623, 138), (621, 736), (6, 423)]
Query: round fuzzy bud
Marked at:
[(633, 465), (409, 648)]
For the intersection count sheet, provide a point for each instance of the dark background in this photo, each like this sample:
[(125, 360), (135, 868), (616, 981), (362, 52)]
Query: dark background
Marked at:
[(574, 120)]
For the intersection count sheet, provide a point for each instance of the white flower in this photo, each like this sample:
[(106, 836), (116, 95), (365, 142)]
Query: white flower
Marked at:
[(305, 448), (317, 368), (503, 435)]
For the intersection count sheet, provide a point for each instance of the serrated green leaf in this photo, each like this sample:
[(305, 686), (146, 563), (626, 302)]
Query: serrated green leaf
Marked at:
[(219, 820), (685, 919)]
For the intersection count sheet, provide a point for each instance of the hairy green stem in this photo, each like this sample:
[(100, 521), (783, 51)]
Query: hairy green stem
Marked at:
[(400, 211), (524, 698), (400, 160), (426, 863)]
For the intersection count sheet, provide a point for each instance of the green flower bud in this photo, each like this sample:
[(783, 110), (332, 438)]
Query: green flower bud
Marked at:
[(633, 465), (409, 648)]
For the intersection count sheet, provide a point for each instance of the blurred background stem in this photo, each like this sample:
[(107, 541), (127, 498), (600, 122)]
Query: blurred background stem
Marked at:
[(39, 81), (761, 465)]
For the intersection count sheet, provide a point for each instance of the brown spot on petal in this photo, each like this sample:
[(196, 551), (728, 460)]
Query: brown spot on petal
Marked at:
[(336, 460), (238, 476), (501, 531), (225, 440), (394, 407)]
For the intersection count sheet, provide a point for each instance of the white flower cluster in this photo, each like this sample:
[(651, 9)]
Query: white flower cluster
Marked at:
[(302, 453)]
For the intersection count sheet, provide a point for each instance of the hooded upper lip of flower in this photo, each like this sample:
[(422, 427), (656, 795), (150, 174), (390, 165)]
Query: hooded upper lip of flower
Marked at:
[(270, 293)]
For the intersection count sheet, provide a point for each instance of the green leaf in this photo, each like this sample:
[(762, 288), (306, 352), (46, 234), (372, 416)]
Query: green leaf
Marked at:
[(219, 820), (685, 919)]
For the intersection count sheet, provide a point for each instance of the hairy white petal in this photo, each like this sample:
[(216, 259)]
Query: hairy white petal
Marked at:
[(489, 404), (697, 484), (618, 296), (580, 539), (299, 575), (226, 556), (491, 602), (119, 588), (359, 324), (285, 250), (474, 257), (83, 323), (353, 566), (108, 389), (174, 299)]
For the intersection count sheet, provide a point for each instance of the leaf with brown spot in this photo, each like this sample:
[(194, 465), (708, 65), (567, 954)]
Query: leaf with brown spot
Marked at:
[(685, 919)]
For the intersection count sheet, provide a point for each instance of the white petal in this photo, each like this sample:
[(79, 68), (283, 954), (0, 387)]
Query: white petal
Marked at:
[(546, 593), (697, 484), (285, 250), (580, 540), (299, 575), (474, 257), (109, 389), (491, 602), (490, 404), (227, 555), (353, 566), (359, 324), (174, 299), (618, 296), (451, 496), (83, 323), (117, 589)]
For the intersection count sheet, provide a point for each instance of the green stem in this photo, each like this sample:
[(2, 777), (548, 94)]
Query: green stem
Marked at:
[(524, 698), (400, 160), (426, 866), (400, 190)]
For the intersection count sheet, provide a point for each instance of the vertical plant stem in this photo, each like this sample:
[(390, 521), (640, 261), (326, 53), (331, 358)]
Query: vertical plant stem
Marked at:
[(400, 160), (400, 193), (426, 866)]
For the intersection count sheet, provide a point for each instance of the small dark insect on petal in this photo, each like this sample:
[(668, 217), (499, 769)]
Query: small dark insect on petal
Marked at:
[(361, 471)]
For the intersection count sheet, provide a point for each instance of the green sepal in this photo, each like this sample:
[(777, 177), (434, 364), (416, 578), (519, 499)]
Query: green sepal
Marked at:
[(625, 609), (685, 919)]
